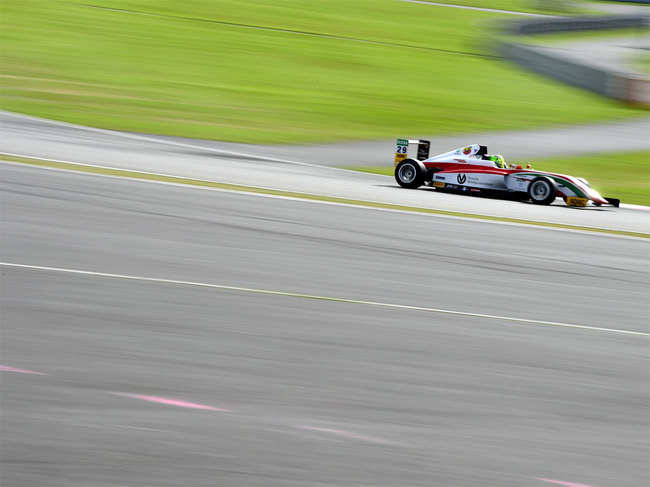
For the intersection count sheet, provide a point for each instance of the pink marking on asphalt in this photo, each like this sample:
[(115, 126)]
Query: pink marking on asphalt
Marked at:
[(563, 483), (347, 434), (6, 368), (169, 402)]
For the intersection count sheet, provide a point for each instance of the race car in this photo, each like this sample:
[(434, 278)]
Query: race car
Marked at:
[(471, 169)]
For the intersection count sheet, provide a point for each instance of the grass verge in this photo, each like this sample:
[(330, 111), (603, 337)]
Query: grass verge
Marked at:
[(529, 6), (275, 72), (619, 175), (70, 166), (643, 63)]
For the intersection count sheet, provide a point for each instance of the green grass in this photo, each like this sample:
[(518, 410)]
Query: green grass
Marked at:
[(619, 175), (192, 69), (643, 63)]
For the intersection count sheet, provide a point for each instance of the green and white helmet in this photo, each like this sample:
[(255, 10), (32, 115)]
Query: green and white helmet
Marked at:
[(499, 161)]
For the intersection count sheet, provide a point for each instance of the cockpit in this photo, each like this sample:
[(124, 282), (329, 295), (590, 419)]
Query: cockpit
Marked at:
[(475, 152), (497, 160)]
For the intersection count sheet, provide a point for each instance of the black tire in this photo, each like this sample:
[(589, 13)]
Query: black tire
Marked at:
[(542, 191), (410, 174)]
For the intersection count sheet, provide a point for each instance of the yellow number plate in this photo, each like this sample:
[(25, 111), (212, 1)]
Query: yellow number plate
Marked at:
[(399, 158), (438, 184), (575, 201)]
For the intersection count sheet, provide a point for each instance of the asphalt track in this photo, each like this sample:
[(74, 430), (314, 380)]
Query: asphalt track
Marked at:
[(198, 159), (164, 374), (168, 335), (154, 383), (520, 145), (618, 54), (619, 8)]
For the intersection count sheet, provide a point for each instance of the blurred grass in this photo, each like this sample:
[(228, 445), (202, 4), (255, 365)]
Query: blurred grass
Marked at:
[(618, 175), (643, 63), (205, 69)]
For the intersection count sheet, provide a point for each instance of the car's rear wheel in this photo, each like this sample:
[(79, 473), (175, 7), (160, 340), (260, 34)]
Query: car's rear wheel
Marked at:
[(410, 174), (542, 191)]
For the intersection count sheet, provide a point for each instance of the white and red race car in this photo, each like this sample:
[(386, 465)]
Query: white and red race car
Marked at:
[(471, 169)]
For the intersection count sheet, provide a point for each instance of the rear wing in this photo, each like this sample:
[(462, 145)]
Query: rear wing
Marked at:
[(402, 150)]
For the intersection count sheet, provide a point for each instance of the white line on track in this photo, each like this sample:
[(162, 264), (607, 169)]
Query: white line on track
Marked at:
[(481, 9), (320, 298)]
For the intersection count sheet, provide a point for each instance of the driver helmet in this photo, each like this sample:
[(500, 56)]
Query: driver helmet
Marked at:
[(499, 161)]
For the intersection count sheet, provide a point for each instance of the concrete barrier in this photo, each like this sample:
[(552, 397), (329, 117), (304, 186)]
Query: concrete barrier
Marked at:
[(574, 24), (626, 87)]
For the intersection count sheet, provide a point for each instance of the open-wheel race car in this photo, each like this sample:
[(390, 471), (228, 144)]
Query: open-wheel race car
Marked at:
[(471, 169)]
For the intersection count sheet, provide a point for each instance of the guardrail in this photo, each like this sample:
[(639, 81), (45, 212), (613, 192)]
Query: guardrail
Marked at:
[(553, 25), (628, 87)]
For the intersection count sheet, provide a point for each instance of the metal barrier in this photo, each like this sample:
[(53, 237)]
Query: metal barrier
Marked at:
[(627, 87), (575, 24)]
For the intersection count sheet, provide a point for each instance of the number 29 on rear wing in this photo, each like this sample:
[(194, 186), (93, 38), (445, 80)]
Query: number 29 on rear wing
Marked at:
[(401, 152)]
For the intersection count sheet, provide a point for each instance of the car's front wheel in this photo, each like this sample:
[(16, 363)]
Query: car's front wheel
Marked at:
[(410, 174), (542, 191)]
